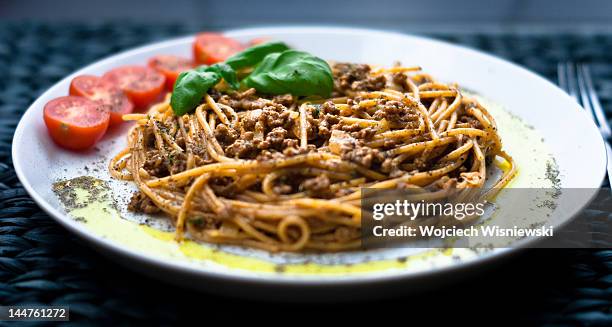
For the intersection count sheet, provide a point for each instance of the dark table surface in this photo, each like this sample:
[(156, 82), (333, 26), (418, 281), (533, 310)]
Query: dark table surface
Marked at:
[(41, 263)]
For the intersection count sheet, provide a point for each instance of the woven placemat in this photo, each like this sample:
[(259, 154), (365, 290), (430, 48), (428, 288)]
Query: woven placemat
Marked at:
[(41, 263)]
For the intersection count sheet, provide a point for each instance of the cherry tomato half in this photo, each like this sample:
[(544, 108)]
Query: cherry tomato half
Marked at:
[(141, 84), (210, 48), (170, 66), (76, 123), (258, 40), (94, 88)]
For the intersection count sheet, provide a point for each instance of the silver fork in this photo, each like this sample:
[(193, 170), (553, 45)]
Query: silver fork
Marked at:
[(576, 81)]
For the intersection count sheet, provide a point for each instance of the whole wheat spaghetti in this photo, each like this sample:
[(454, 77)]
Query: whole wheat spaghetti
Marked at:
[(284, 174)]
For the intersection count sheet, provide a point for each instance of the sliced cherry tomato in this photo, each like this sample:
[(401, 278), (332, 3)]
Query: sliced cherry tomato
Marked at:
[(141, 84), (76, 123), (258, 40), (97, 89), (170, 66), (210, 48)]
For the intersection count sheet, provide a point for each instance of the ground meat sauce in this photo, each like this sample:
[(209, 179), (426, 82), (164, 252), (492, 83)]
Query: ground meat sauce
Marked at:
[(362, 155), (268, 128), (226, 135), (317, 186), (142, 203), (397, 113), (350, 77)]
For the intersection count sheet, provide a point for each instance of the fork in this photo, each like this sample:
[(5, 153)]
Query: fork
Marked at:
[(576, 81)]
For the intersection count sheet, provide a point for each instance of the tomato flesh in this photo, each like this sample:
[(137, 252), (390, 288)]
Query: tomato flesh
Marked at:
[(258, 40), (105, 93), (76, 123), (211, 48), (142, 85), (170, 66)]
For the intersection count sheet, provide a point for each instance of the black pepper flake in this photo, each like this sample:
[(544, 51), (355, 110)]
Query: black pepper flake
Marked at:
[(279, 269), (97, 191)]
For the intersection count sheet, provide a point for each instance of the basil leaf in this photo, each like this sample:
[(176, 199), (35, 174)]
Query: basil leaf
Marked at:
[(189, 89), (225, 71), (295, 72), (254, 55)]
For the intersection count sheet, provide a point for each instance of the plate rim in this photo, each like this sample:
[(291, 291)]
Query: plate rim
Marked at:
[(270, 279)]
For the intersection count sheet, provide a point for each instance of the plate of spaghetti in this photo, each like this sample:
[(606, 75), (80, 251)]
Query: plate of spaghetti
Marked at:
[(241, 157)]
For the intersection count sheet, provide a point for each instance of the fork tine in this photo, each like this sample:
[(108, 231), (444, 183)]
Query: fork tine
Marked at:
[(596, 106), (588, 94), (584, 95), (572, 83), (609, 164), (562, 76)]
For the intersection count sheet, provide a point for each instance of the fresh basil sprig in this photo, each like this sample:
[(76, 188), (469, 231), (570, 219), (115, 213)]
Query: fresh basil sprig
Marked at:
[(191, 85), (278, 70), (254, 55), (225, 71), (189, 89), (291, 71)]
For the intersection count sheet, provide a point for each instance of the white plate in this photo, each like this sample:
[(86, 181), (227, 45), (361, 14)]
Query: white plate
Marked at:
[(571, 137)]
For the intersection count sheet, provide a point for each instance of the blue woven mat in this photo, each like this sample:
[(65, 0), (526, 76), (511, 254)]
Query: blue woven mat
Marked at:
[(42, 263)]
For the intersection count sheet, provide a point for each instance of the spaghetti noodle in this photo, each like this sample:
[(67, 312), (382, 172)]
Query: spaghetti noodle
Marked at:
[(284, 174)]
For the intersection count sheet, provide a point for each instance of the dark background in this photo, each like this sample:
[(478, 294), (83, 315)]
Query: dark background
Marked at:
[(43, 41), (429, 15)]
